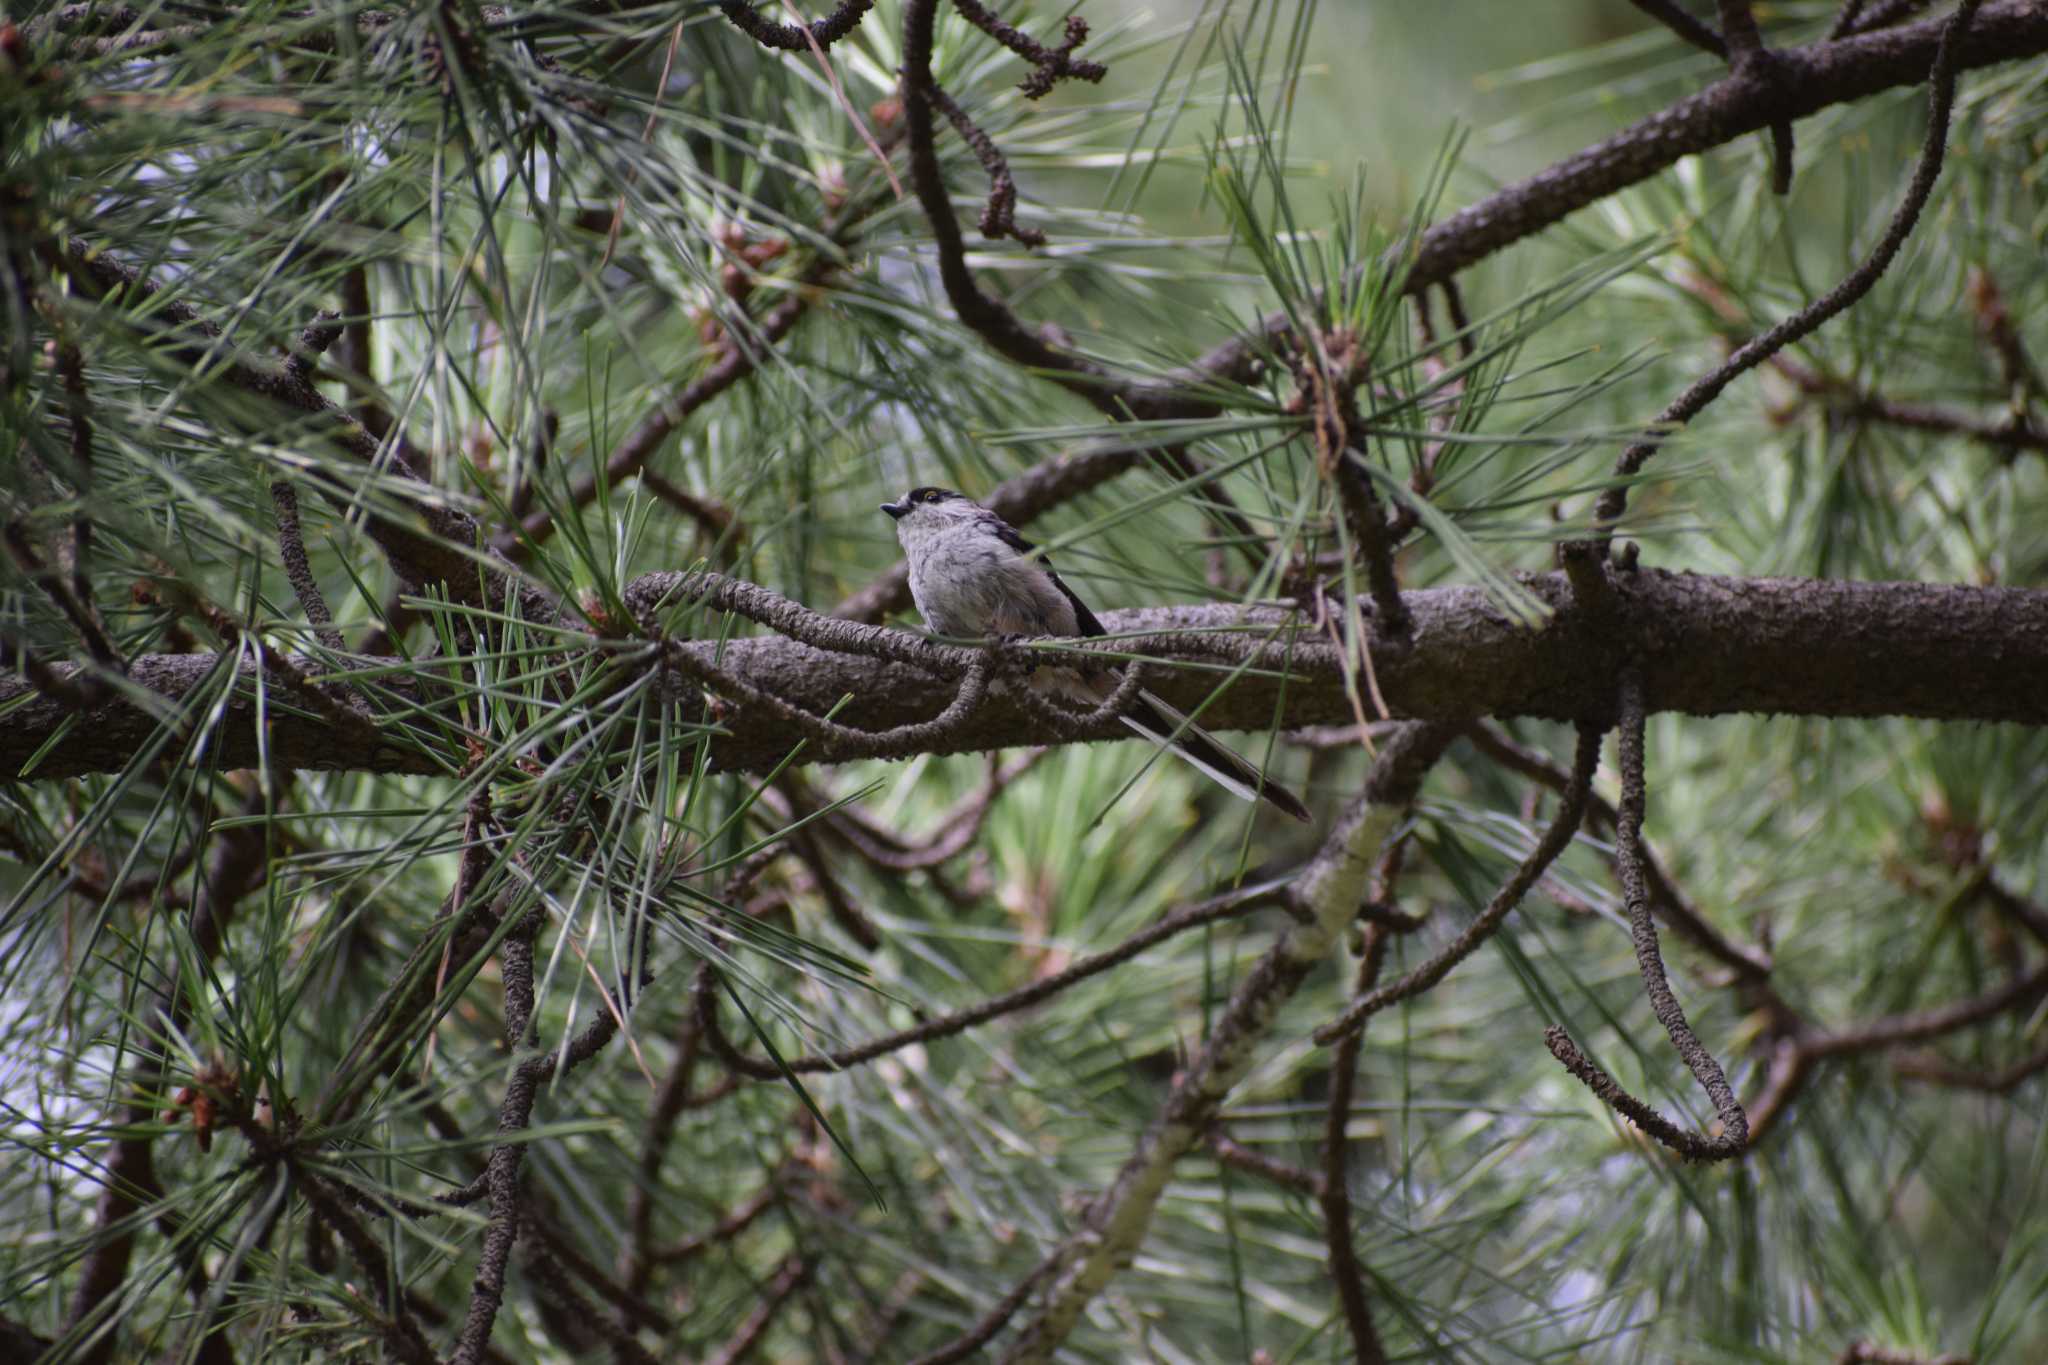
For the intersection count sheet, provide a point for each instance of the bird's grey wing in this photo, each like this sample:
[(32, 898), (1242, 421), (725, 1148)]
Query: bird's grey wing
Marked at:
[(1149, 714), (1084, 619)]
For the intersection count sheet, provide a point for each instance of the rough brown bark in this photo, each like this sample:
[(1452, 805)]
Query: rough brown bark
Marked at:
[(1711, 646)]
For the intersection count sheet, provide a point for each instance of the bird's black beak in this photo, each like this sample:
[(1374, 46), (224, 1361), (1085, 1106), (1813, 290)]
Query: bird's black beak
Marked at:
[(896, 509)]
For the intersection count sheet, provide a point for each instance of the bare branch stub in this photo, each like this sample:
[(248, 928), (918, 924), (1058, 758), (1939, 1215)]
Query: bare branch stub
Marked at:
[(1328, 369), (291, 546), (1750, 60), (1050, 65)]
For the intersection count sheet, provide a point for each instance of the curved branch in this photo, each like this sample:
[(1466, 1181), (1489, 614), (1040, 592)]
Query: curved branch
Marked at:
[(1836, 301), (1571, 810), (1811, 78), (1630, 855), (1227, 906)]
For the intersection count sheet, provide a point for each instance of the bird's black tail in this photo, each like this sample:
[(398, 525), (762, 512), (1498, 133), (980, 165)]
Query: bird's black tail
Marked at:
[(1171, 730)]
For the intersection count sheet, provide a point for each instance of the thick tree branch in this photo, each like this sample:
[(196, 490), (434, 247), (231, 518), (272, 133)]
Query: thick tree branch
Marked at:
[(1714, 646)]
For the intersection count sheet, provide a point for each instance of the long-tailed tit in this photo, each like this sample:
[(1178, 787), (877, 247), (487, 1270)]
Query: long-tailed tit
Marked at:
[(971, 574)]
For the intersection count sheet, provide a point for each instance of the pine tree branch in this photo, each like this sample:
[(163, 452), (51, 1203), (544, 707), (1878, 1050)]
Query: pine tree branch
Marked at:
[(1814, 77), (1715, 646)]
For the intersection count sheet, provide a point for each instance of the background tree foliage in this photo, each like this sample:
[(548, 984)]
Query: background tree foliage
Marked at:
[(481, 884)]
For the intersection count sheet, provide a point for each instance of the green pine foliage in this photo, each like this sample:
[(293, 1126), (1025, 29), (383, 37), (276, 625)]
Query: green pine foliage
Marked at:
[(255, 1012)]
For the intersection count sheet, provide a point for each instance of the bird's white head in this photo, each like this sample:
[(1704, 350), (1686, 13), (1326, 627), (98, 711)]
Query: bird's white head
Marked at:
[(926, 511)]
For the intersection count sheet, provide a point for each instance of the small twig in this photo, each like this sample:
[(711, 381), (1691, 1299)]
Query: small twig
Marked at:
[(999, 218), (2028, 915), (319, 335), (1845, 19), (1327, 370), (1842, 400), (334, 710), (1236, 1155), (528, 474), (401, 1334), (1921, 1025), (1669, 14), (1994, 322), (1750, 59), (989, 318), (1749, 963), (1050, 64), (953, 835), (58, 589), (1884, 15), (1323, 896), (515, 1112), (838, 904), (420, 558), (1938, 1071), (298, 570), (78, 412), (77, 691), (988, 1324), (1335, 1186), (795, 1271), (1688, 405), (546, 1240), (1223, 907), (718, 526), (735, 362), (728, 1227), (1461, 326)]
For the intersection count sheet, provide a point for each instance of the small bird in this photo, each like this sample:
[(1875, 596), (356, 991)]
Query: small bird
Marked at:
[(971, 574)]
